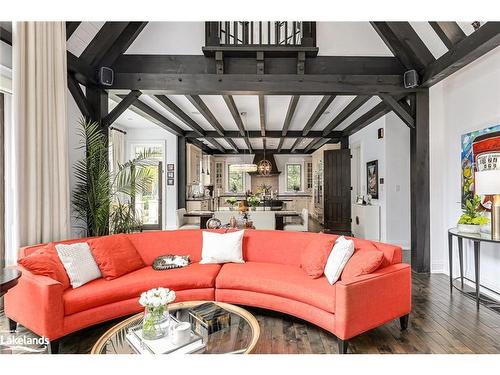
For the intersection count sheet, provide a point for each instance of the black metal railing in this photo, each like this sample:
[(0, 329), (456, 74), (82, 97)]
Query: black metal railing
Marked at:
[(249, 33)]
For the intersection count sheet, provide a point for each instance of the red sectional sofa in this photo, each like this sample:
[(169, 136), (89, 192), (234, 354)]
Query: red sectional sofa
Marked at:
[(270, 278)]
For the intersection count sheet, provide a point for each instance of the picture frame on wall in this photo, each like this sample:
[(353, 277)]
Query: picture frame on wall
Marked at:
[(170, 167), (372, 179), (170, 174), (170, 181)]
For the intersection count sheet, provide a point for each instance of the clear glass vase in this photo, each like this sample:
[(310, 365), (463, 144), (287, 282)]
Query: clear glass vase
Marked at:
[(156, 322)]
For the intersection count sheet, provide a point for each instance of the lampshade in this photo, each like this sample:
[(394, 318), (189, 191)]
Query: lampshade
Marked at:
[(487, 182)]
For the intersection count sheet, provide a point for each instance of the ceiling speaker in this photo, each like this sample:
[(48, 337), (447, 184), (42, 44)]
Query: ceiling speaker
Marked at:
[(106, 76), (410, 79)]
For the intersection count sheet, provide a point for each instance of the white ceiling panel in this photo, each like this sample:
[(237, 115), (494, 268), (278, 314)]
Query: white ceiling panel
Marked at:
[(219, 109), (338, 104), (224, 143), (272, 143), (276, 108), (159, 108), (304, 142), (349, 39), (466, 27), (185, 105), (130, 119), (288, 143), (425, 31), (205, 142), (305, 108), (361, 110), (240, 143), (82, 36), (248, 104), (257, 143)]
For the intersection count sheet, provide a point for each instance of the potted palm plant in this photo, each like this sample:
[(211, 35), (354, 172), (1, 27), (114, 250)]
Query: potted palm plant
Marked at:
[(471, 219), (103, 202)]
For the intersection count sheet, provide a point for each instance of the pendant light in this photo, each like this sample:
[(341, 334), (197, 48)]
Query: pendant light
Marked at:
[(244, 167), (264, 167)]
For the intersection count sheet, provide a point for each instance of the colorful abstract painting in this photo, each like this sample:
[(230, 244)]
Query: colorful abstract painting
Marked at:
[(468, 159)]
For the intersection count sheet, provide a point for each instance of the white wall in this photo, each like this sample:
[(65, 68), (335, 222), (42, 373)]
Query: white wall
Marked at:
[(467, 100), (169, 142), (392, 153)]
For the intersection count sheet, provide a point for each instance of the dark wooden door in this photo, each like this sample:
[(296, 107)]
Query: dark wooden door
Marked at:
[(337, 191)]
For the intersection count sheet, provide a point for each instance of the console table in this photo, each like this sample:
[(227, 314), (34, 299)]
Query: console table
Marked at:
[(477, 239)]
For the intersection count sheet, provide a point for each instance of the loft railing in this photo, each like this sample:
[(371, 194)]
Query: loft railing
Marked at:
[(247, 33)]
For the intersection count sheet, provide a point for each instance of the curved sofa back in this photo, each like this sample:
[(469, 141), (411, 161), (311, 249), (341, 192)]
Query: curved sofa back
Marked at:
[(268, 246)]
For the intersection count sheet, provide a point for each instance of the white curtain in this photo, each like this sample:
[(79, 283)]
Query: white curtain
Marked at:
[(39, 66), (117, 140)]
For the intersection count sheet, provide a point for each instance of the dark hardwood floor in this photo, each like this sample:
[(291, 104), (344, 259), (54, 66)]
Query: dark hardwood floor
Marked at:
[(439, 323)]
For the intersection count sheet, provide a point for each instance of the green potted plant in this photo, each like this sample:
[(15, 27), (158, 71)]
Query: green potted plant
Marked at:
[(253, 201), (471, 219), (296, 188), (231, 201)]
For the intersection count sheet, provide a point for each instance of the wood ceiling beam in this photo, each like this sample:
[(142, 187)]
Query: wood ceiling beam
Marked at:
[(200, 105), (253, 84), (320, 109), (311, 144), (269, 134), (262, 115), (173, 109), (216, 144), (202, 146), (122, 106), (79, 97), (449, 32), (296, 144), (71, 28), (480, 42), (231, 105), (5, 36), (150, 114), (289, 114), (82, 72), (122, 43), (199, 64), (269, 151), (408, 36), (280, 145), (399, 110), (397, 46), (352, 107), (367, 118), (319, 143), (102, 42)]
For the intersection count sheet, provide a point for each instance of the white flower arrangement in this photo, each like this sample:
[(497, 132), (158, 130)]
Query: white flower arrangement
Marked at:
[(157, 297)]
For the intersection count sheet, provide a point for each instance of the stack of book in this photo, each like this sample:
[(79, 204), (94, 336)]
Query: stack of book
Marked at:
[(208, 318), (162, 345)]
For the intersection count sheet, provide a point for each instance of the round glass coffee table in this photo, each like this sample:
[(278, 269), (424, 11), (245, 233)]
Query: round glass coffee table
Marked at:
[(240, 337)]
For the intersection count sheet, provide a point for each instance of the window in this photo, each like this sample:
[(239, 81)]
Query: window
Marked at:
[(293, 177), (235, 181)]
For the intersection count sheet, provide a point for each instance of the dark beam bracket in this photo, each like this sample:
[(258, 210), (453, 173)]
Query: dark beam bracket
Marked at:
[(122, 106), (400, 111)]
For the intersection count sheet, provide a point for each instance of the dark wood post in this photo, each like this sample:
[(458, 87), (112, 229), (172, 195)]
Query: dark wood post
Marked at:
[(212, 34), (181, 172), (308, 34), (420, 188)]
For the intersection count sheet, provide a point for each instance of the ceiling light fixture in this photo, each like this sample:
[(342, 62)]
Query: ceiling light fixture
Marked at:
[(244, 167)]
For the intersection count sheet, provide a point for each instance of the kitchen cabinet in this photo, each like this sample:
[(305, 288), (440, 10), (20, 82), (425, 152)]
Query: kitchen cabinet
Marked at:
[(193, 163)]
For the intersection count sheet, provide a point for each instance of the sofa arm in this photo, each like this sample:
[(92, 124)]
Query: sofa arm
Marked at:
[(368, 301), (36, 302)]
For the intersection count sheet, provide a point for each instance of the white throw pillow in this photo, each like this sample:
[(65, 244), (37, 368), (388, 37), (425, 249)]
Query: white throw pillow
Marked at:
[(338, 258), (79, 263), (222, 247)]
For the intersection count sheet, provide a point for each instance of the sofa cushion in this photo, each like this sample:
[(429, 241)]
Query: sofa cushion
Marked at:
[(46, 262), (362, 262), (102, 292), (280, 280), (115, 255), (313, 258)]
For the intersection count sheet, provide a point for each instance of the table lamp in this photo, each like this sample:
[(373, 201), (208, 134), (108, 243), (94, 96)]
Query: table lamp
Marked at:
[(487, 182)]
